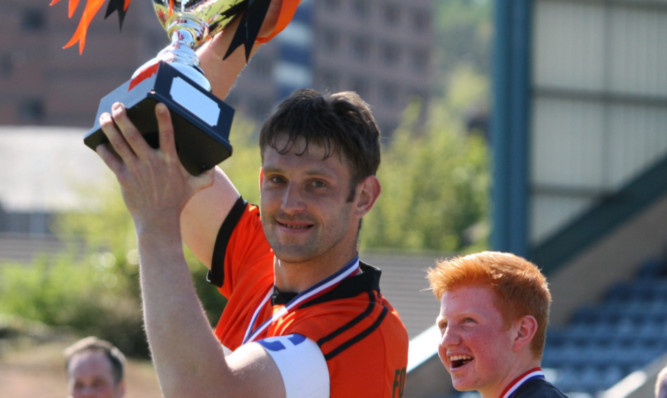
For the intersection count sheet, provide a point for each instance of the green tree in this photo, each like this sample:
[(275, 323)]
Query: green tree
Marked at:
[(435, 181)]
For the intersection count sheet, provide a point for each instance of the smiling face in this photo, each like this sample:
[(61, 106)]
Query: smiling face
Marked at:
[(476, 347), (306, 209)]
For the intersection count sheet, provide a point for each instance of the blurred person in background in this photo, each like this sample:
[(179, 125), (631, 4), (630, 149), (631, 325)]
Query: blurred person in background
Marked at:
[(494, 310), (95, 369)]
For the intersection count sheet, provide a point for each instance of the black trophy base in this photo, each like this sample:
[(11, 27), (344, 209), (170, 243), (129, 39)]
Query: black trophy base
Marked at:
[(201, 121)]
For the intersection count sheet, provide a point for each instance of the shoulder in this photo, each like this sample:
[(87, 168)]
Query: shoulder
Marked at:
[(539, 387)]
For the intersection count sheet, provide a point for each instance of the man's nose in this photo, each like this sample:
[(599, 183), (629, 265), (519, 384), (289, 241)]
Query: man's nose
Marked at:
[(293, 199)]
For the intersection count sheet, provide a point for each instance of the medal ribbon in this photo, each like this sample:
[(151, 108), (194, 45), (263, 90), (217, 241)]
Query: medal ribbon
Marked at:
[(531, 374), (308, 294)]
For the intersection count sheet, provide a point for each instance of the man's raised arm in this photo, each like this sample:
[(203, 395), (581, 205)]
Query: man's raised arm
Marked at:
[(205, 212)]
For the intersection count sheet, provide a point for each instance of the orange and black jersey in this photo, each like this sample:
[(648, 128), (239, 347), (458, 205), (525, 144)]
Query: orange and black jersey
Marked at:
[(361, 336)]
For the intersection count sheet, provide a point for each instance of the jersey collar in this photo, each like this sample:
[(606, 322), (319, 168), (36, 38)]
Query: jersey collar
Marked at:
[(365, 279), (534, 373)]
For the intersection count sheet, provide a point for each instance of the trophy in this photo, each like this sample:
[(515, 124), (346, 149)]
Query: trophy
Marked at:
[(201, 120)]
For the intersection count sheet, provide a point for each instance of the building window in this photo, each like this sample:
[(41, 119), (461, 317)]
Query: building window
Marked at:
[(389, 94), (261, 108), (7, 66), (362, 9), (31, 110), (419, 60), (332, 5), (262, 68), (12, 60), (391, 14), (330, 40), (360, 86), (330, 80), (295, 54), (360, 47), (390, 54), (33, 19), (420, 20)]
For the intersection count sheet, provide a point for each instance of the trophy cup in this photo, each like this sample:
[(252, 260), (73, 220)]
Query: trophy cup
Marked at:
[(201, 121)]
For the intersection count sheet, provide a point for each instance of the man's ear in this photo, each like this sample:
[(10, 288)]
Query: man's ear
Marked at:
[(261, 177), (368, 190), (525, 328)]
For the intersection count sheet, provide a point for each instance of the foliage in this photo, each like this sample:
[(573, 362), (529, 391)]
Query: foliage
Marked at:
[(243, 167), (435, 183), (463, 37), (467, 89), (463, 32), (62, 293)]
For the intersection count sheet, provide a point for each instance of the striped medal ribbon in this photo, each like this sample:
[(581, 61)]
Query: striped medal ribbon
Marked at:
[(308, 294)]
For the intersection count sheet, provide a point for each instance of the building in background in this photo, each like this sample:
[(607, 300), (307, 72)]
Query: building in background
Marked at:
[(42, 84), (379, 48)]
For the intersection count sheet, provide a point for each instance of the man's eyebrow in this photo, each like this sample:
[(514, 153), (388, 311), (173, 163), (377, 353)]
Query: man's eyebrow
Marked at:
[(270, 169), (312, 171)]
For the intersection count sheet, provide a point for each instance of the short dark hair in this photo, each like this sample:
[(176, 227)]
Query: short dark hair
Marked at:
[(94, 344), (341, 123)]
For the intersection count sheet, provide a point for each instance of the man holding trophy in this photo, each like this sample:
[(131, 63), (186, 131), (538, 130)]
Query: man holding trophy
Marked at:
[(305, 317)]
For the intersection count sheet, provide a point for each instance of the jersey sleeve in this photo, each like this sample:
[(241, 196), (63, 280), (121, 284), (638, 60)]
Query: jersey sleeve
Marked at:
[(241, 252), (301, 363)]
